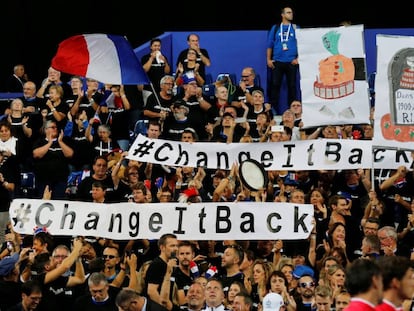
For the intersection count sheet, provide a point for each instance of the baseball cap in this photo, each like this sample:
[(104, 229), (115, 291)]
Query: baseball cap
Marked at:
[(180, 103), (272, 302), (301, 270), (7, 264), (188, 77)]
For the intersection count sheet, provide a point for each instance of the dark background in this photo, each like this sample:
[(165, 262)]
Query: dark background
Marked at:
[(31, 30)]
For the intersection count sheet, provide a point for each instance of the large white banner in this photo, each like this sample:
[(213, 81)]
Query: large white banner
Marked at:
[(394, 92), (197, 221), (333, 76), (327, 154)]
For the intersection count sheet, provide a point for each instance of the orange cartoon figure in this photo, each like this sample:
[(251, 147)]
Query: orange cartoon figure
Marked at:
[(336, 72)]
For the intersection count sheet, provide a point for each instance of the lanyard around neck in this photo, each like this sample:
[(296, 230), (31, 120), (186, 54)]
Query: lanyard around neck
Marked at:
[(286, 38)]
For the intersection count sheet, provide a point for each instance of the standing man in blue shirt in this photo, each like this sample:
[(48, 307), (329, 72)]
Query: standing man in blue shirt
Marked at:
[(282, 59)]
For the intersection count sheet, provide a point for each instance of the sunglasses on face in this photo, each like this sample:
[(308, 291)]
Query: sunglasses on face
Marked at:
[(307, 284)]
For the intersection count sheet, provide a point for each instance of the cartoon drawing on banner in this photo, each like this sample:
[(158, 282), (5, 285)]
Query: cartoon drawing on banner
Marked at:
[(336, 72), (399, 123)]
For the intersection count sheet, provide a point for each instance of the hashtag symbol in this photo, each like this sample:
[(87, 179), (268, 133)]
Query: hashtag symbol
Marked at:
[(22, 215), (143, 148)]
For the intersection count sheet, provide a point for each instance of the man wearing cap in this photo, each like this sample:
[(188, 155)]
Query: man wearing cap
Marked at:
[(197, 105), (273, 302), (225, 131), (9, 282), (174, 126)]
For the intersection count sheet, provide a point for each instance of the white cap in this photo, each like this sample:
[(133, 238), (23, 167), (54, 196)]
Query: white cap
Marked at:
[(272, 302)]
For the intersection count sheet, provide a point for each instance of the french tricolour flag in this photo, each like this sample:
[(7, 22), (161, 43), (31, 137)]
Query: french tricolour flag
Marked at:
[(106, 58)]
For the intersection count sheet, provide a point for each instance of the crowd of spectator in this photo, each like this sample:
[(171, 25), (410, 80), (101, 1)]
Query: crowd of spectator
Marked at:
[(69, 141)]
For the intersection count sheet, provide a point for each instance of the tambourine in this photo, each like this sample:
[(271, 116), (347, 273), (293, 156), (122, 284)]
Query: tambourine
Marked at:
[(253, 175)]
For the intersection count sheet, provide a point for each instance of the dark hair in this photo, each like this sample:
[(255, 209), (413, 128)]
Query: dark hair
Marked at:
[(238, 250), (192, 34), (101, 157), (30, 287), (99, 184), (163, 239), (333, 227), (40, 260), (393, 267), (373, 220), (359, 275), (155, 40), (45, 238), (140, 186), (321, 191), (246, 297), (342, 254), (187, 243), (155, 123), (276, 273), (287, 130), (333, 200)]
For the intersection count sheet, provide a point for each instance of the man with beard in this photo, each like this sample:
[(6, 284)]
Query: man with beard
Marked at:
[(187, 269), (306, 291), (230, 263)]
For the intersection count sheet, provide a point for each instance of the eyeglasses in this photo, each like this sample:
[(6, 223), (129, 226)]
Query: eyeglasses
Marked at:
[(307, 284), (109, 256), (246, 76)]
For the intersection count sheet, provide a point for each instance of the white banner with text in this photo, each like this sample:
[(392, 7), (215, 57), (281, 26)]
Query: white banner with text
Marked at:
[(197, 221), (319, 154)]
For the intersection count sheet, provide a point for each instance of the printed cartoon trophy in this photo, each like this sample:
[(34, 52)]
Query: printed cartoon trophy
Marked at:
[(399, 123), (336, 72)]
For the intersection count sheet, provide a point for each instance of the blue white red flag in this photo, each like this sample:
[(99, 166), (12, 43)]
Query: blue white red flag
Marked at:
[(106, 58)]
